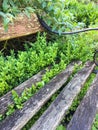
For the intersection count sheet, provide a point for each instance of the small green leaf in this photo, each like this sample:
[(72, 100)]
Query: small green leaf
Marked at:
[(44, 4), (5, 23), (61, 127), (94, 128), (2, 14)]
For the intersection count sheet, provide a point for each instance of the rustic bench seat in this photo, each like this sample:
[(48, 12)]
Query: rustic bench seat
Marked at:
[(52, 117)]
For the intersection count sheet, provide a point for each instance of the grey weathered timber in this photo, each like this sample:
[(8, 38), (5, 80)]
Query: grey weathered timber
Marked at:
[(54, 114), (21, 117), (6, 100), (85, 113)]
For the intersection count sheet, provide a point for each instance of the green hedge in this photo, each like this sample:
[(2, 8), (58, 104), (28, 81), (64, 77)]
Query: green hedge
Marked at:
[(15, 69)]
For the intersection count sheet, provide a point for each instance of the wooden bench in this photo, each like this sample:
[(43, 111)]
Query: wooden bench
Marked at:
[(51, 118)]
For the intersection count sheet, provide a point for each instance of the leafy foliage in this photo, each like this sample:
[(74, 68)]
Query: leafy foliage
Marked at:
[(61, 15), (15, 70), (67, 14), (95, 124), (86, 13), (61, 127)]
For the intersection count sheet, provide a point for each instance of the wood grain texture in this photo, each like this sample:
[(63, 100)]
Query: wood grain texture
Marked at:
[(84, 115), (21, 117), (7, 100), (54, 114), (21, 26)]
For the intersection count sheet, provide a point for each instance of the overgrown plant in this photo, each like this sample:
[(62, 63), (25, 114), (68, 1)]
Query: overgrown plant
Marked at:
[(95, 124), (61, 15), (18, 101), (16, 69)]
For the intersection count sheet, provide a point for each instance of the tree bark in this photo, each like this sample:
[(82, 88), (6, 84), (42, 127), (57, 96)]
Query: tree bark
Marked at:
[(21, 26)]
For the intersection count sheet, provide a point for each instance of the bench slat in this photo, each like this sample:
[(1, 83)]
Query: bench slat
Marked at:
[(54, 114), (85, 113), (21, 117), (7, 100)]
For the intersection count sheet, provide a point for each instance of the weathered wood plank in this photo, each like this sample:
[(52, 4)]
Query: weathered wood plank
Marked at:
[(6, 100), (85, 113), (54, 114), (21, 117), (21, 26)]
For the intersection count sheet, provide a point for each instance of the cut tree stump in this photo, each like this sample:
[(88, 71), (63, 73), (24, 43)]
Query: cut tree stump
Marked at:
[(21, 26)]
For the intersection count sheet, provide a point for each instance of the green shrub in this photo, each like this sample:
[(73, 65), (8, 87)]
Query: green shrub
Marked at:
[(15, 70), (86, 13), (95, 124), (60, 15)]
